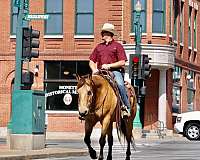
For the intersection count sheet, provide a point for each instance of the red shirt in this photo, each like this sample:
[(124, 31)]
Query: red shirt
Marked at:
[(106, 54)]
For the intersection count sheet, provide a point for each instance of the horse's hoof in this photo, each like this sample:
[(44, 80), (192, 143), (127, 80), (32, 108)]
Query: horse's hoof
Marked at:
[(109, 158), (127, 158), (93, 154)]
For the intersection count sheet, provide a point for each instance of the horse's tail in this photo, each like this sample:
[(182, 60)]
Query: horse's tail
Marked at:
[(123, 131)]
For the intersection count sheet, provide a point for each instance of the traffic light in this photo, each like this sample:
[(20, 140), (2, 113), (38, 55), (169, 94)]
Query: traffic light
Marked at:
[(30, 43), (135, 66), (27, 78), (146, 67)]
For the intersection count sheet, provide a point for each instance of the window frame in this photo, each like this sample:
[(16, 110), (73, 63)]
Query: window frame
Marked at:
[(45, 23), (175, 16), (76, 15), (195, 30), (144, 10), (48, 80), (190, 27), (182, 8), (191, 88), (163, 16), (177, 73), (11, 17)]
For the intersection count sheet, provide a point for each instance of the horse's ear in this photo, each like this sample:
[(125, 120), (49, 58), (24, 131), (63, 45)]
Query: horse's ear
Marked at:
[(78, 77)]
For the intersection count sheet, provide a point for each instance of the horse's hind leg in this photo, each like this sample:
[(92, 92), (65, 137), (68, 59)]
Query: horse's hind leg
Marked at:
[(128, 139), (87, 140), (110, 142)]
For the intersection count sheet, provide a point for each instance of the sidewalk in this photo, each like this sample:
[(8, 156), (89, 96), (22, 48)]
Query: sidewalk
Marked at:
[(6, 154)]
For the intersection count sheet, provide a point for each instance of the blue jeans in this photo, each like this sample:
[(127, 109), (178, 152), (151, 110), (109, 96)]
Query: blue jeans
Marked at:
[(122, 90)]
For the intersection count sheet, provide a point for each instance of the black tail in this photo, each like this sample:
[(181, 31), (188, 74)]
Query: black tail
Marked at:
[(122, 132)]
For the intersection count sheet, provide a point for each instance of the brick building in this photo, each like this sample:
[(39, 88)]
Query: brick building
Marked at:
[(169, 36)]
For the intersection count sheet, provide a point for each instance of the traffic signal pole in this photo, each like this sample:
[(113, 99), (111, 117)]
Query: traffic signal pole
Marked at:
[(135, 81), (18, 65), (26, 129)]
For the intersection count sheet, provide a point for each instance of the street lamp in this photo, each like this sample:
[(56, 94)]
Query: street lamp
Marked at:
[(137, 28), (138, 6), (137, 25)]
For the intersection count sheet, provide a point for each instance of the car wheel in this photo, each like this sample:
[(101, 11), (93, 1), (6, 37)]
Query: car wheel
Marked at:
[(192, 131)]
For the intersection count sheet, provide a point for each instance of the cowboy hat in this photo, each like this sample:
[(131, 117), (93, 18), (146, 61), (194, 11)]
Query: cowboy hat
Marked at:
[(109, 28)]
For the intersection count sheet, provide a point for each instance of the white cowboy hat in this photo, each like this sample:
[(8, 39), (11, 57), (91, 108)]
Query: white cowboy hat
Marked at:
[(109, 28)]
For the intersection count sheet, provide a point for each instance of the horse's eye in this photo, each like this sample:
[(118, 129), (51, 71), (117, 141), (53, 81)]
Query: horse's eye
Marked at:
[(89, 93)]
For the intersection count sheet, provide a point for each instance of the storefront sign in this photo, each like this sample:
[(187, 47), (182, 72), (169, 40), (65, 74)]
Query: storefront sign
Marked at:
[(63, 90), (67, 99)]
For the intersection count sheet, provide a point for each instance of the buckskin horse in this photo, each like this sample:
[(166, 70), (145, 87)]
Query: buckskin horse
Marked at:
[(97, 101)]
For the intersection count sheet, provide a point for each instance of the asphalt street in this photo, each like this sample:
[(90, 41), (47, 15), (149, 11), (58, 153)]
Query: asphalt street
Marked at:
[(180, 149)]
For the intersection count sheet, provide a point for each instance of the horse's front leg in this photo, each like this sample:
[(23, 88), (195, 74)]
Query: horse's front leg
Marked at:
[(87, 140), (104, 130), (110, 142)]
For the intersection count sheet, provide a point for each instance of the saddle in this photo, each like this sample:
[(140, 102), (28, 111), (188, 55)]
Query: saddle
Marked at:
[(109, 76)]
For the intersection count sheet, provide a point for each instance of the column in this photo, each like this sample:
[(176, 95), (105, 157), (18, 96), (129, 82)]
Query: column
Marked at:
[(162, 108)]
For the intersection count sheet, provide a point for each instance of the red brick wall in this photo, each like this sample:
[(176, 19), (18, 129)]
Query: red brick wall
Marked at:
[(64, 122), (68, 48)]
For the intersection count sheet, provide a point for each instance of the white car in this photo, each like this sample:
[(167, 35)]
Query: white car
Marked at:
[(188, 124)]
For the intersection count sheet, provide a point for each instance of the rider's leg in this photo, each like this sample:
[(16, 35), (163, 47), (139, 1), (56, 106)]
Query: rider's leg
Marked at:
[(120, 83)]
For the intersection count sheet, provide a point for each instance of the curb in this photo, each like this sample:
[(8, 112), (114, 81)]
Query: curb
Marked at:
[(45, 153)]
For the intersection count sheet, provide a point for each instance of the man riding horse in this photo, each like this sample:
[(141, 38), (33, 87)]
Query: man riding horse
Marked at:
[(110, 55)]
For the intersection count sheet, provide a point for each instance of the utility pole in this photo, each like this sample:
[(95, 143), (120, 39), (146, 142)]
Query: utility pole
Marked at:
[(139, 68), (136, 82), (18, 56)]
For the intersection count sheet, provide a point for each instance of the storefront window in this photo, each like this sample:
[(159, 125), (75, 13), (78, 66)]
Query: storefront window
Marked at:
[(61, 96), (176, 100), (190, 99), (60, 84), (190, 90), (176, 90)]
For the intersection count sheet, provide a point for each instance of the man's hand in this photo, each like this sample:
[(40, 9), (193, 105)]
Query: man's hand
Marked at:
[(95, 71), (105, 66)]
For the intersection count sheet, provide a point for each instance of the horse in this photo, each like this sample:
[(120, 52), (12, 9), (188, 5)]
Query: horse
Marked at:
[(97, 102)]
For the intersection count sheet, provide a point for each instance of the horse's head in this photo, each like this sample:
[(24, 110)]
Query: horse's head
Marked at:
[(85, 94)]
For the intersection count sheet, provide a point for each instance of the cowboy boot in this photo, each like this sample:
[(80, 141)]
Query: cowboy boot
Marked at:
[(125, 112)]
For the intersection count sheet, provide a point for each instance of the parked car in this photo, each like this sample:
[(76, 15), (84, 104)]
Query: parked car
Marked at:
[(188, 124)]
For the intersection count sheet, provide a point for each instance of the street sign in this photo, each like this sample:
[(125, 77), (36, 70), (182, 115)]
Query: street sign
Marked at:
[(36, 16)]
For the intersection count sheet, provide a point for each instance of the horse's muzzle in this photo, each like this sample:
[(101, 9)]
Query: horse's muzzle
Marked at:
[(83, 114)]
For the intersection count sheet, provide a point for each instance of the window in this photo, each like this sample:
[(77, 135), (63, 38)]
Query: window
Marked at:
[(14, 12), (190, 90), (176, 100), (60, 84), (177, 75), (181, 22), (170, 18), (54, 25), (189, 26), (176, 10), (159, 16), (84, 17), (176, 90), (142, 16), (195, 30)]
